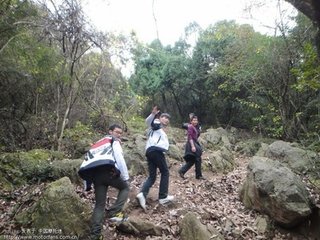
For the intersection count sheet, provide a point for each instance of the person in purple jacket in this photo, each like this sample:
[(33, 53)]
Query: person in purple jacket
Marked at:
[(193, 150)]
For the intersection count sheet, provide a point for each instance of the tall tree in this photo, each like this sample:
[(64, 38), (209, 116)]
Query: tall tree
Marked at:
[(66, 27)]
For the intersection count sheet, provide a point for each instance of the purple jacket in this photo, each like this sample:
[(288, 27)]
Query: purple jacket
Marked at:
[(193, 133)]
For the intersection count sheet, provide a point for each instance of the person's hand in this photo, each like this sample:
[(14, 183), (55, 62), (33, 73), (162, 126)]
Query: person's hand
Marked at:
[(155, 110), (193, 149), (128, 182)]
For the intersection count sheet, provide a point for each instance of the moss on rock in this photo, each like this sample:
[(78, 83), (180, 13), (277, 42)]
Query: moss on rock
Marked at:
[(58, 208), (38, 165)]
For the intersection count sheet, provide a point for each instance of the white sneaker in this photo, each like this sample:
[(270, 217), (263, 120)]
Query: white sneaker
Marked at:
[(142, 200), (166, 200)]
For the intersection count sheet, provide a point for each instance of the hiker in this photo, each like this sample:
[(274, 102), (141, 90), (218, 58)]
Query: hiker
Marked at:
[(104, 177), (157, 144), (193, 150), (185, 125)]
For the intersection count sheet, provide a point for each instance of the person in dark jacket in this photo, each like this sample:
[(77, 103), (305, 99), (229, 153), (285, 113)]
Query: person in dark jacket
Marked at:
[(193, 150)]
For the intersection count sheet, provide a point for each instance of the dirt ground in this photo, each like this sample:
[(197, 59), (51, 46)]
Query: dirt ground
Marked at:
[(215, 200)]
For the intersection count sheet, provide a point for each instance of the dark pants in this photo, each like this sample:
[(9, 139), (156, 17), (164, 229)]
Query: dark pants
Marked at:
[(102, 180), (190, 161), (156, 159)]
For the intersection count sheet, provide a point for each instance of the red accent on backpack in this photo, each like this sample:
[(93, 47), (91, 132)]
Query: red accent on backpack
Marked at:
[(101, 142)]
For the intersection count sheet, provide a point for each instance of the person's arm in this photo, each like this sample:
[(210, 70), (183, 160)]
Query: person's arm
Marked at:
[(149, 119), (152, 115), (121, 163)]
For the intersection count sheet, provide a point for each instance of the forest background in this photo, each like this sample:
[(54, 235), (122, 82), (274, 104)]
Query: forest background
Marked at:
[(59, 83)]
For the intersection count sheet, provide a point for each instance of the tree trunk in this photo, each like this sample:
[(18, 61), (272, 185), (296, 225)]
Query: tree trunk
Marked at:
[(177, 102), (55, 136), (65, 117)]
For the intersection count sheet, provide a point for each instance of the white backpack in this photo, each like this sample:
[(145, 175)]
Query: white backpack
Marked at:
[(99, 155)]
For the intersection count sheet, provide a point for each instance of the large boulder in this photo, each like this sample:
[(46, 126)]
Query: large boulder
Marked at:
[(175, 152), (219, 161), (66, 168), (138, 226), (37, 165), (192, 229), (274, 189), (216, 138), (218, 145), (297, 159), (58, 208), (134, 154), (249, 147)]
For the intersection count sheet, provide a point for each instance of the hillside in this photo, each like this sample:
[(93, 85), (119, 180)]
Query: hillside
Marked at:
[(215, 200)]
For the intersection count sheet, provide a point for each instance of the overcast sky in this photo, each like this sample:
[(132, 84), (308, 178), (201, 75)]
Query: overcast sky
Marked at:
[(174, 15)]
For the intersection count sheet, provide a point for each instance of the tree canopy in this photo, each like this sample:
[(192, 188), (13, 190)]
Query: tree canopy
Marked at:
[(56, 70)]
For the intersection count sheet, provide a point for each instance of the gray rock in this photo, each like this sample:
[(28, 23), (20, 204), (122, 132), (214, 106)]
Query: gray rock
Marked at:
[(262, 224), (175, 153), (262, 150), (137, 226), (221, 160), (36, 165), (274, 189), (297, 159), (193, 229), (59, 208), (134, 154)]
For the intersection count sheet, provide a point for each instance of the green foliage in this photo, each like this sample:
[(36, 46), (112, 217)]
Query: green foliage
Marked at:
[(15, 16), (136, 124), (78, 139), (10, 173), (228, 51), (235, 76), (42, 79), (35, 164), (231, 76), (78, 132), (308, 71), (149, 61)]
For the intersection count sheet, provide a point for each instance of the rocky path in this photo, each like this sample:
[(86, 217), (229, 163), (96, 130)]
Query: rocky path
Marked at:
[(215, 200)]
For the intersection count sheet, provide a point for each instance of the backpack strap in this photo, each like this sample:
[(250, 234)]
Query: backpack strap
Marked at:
[(151, 134)]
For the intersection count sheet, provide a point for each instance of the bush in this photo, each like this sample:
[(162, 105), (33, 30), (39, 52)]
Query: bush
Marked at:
[(77, 140)]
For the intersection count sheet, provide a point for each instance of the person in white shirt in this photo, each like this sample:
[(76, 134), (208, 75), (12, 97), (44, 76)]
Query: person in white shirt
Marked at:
[(103, 178), (157, 144)]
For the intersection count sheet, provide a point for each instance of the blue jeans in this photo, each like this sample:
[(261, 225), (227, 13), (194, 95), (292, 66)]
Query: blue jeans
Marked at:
[(156, 159), (102, 180)]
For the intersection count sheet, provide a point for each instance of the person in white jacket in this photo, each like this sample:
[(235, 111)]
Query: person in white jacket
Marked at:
[(157, 144), (102, 179)]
